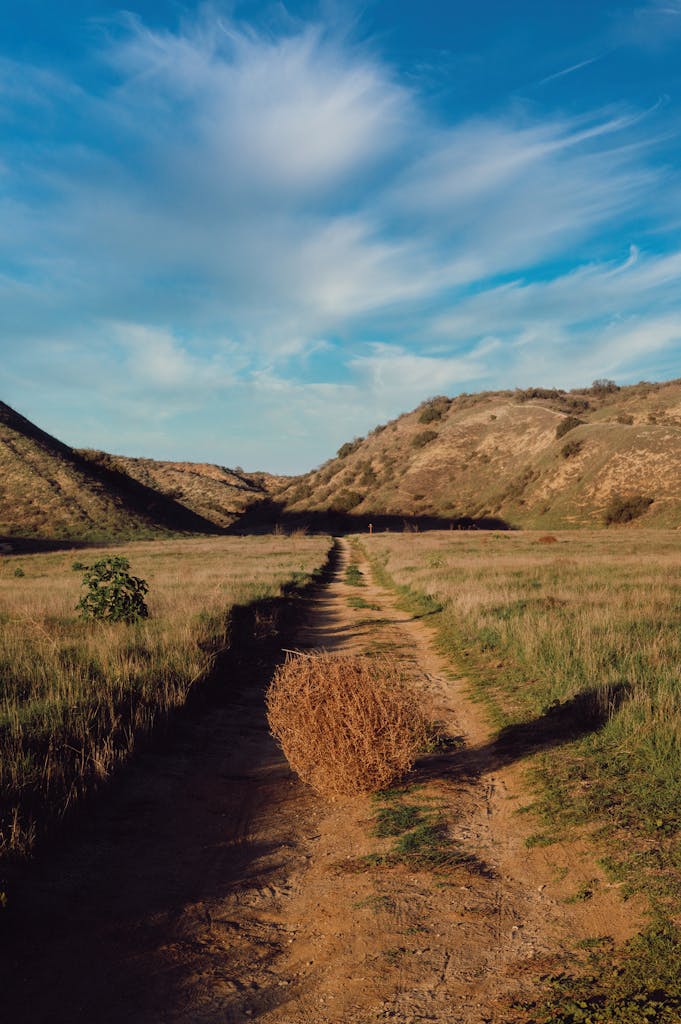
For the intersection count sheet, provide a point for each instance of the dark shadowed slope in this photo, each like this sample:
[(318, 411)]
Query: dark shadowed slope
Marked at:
[(48, 490)]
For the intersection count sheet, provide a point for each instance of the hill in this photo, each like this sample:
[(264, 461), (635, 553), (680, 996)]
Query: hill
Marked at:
[(216, 493), (49, 490), (535, 458)]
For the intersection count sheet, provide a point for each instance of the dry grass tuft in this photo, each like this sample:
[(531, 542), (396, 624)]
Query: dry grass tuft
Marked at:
[(346, 724)]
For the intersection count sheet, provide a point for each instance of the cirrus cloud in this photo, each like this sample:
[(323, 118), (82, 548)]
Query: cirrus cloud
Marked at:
[(241, 222)]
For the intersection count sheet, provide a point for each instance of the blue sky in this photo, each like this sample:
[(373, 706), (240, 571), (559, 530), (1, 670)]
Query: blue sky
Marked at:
[(246, 232)]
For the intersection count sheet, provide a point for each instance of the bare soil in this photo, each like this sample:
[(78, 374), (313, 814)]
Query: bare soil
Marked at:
[(211, 886)]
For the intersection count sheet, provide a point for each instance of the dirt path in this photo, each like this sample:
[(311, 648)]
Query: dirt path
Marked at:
[(213, 887), (405, 945)]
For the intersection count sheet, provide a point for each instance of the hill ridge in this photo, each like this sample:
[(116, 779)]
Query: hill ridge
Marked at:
[(540, 458), (533, 457), (49, 490)]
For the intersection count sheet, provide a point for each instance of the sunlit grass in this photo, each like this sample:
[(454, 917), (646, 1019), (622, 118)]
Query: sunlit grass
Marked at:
[(538, 624), (544, 631), (75, 696)]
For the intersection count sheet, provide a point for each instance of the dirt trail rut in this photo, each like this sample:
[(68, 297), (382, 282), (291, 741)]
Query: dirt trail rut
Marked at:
[(212, 886)]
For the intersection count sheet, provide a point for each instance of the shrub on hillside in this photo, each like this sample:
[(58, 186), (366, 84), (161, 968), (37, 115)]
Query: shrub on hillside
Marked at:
[(423, 438), (527, 394), (623, 509), (570, 449), (571, 404), (567, 424), (434, 409), (626, 418), (368, 476), (345, 501), (348, 448), (346, 724), (604, 386)]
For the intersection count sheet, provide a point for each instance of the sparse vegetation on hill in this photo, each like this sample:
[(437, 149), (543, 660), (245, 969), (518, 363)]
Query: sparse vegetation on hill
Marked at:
[(217, 494), (49, 490), (495, 455), (423, 438), (345, 501), (566, 425), (487, 456), (434, 409), (348, 448), (623, 509), (570, 449)]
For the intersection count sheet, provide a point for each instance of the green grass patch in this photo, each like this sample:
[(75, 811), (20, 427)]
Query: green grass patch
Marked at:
[(354, 601), (394, 820), (575, 656), (419, 831), (641, 986), (354, 576)]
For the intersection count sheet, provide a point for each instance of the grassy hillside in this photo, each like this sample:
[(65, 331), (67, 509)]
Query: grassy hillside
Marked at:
[(216, 493), (48, 490), (533, 458)]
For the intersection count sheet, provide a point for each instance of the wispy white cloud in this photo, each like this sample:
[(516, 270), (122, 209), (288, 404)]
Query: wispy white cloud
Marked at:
[(591, 293), (235, 199), (651, 26), (155, 362), (570, 70)]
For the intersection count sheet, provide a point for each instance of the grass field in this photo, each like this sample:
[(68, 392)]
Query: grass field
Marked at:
[(76, 696), (573, 640)]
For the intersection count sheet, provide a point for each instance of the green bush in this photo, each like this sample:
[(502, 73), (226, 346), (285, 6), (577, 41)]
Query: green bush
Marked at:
[(113, 594), (623, 509), (567, 424), (423, 438)]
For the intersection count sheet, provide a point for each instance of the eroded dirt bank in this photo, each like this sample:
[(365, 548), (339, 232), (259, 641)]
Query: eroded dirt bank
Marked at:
[(213, 887)]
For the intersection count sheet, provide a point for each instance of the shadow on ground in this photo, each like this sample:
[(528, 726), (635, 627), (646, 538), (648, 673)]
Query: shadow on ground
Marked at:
[(266, 515), (129, 913), (563, 722)]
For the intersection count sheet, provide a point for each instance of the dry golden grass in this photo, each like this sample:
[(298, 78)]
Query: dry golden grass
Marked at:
[(346, 724), (567, 625), (75, 696)]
